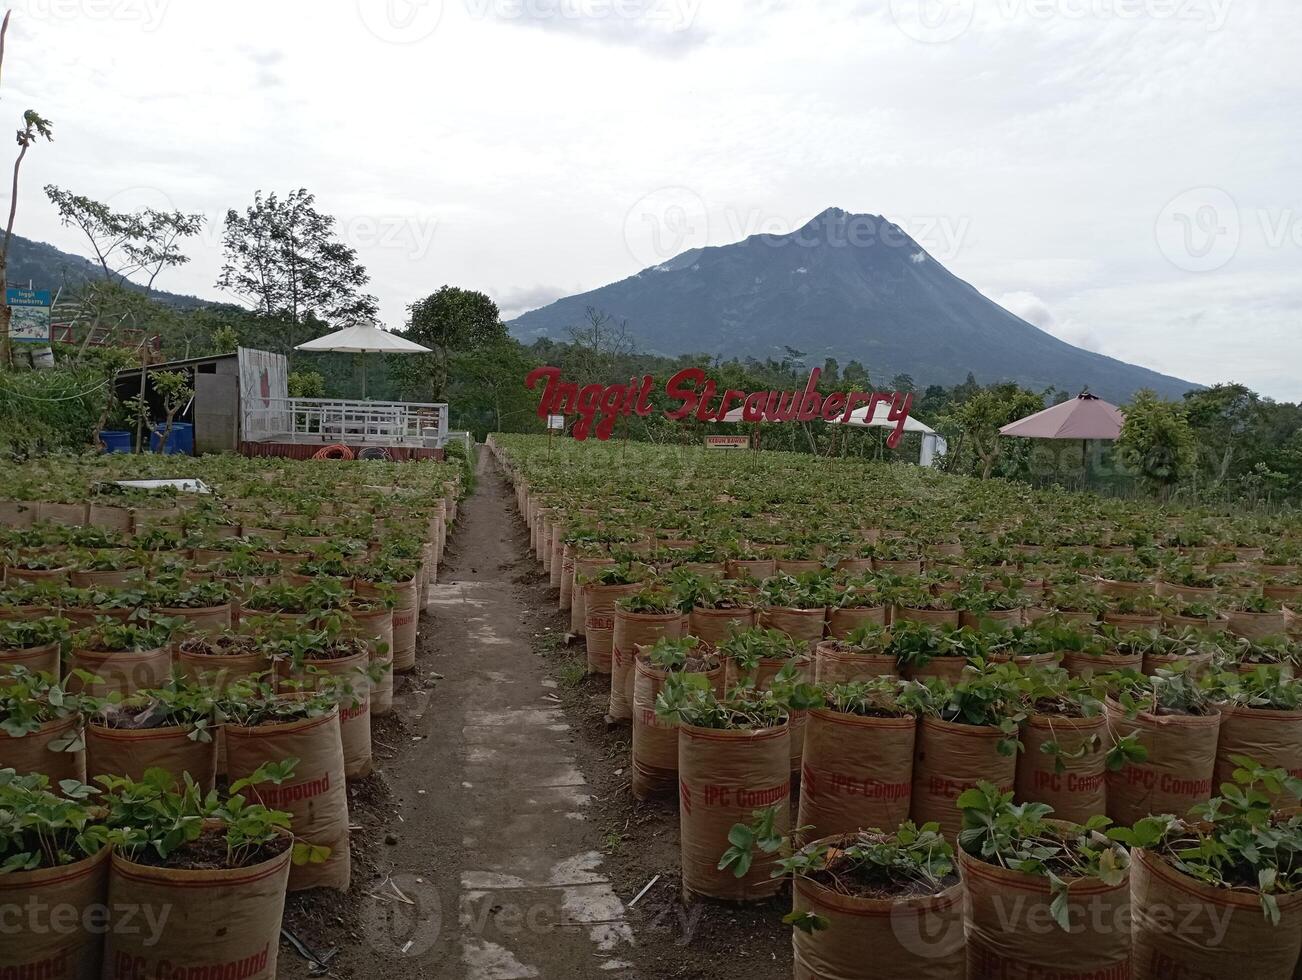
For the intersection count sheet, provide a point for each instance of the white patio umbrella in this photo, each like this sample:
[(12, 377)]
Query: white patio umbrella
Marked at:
[(364, 339)]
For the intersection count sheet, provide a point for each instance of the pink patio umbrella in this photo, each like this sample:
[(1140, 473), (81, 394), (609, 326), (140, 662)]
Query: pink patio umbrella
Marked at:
[(1084, 417)]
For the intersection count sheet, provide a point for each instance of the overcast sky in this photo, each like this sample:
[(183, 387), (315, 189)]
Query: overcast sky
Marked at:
[(1123, 173)]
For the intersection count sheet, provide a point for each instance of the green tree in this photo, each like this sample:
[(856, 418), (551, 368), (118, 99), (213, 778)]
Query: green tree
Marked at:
[(283, 257), (857, 374), (1229, 421), (1157, 442), (487, 391), (306, 384), (979, 419), (448, 322), (176, 391), (126, 245), (34, 127), (903, 382)]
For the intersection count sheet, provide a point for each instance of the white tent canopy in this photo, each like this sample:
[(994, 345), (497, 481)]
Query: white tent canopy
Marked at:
[(932, 442), (363, 339)]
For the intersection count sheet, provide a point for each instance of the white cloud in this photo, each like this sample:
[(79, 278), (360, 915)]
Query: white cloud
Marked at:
[(1040, 150), (1035, 311)]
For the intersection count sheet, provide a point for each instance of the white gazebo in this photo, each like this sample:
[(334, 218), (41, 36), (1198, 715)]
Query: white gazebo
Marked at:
[(269, 415), (365, 338), (933, 443)]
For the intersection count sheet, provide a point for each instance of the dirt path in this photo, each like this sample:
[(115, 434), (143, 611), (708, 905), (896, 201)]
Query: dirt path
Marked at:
[(498, 840), (494, 874)]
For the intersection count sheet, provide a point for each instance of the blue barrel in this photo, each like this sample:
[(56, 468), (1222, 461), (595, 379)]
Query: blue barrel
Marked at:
[(116, 441), (180, 441)]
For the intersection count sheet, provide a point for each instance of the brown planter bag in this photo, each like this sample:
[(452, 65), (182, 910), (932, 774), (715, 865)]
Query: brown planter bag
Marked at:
[(316, 799), (221, 923), (949, 669), (655, 740), (842, 622), (758, 568), (1184, 928), (566, 579), (857, 772), (39, 660), (405, 621), (949, 759), (376, 627), (1001, 617), (102, 579), (1085, 665), (1256, 626), (764, 675), (1078, 792), (354, 719), (32, 752), (929, 617), (38, 576), (110, 517), (915, 938), (723, 778), (599, 623), (714, 626), (631, 631), (583, 568), (1178, 772), (832, 666), (126, 752), (212, 619), (1271, 738), (17, 513), (556, 553), (69, 515), (34, 949), (1199, 664), (1011, 931), (120, 673), (804, 626)]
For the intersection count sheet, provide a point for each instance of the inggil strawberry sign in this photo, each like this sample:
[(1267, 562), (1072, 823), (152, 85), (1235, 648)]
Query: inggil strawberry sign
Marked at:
[(697, 396)]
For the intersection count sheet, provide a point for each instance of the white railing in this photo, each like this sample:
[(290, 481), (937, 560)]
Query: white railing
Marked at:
[(328, 420)]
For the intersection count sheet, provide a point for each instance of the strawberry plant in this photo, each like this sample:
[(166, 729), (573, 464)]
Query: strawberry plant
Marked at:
[(1236, 841), (28, 701), (24, 634), (993, 697), (749, 648), (1021, 838), (41, 830), (174, 592), (163, 825), (686, 654), (135, 637), (177, 705), (878, 697)]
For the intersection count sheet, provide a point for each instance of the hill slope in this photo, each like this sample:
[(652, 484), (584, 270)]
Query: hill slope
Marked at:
[(46, 267), (845, 286)]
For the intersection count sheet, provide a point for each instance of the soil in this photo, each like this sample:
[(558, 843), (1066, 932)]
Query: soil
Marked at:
[(456, 832), (220, 645), (840, 878), (208, 853)]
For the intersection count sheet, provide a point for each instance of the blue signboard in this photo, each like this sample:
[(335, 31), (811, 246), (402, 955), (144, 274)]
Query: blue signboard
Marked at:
[(27, 297), (29, 321)]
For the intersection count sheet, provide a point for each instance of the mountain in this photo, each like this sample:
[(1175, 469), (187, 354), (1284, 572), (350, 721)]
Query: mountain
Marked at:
[(845, 286), (46, 267)]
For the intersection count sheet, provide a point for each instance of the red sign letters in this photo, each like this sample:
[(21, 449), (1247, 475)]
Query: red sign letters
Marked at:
[(695, 395)]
